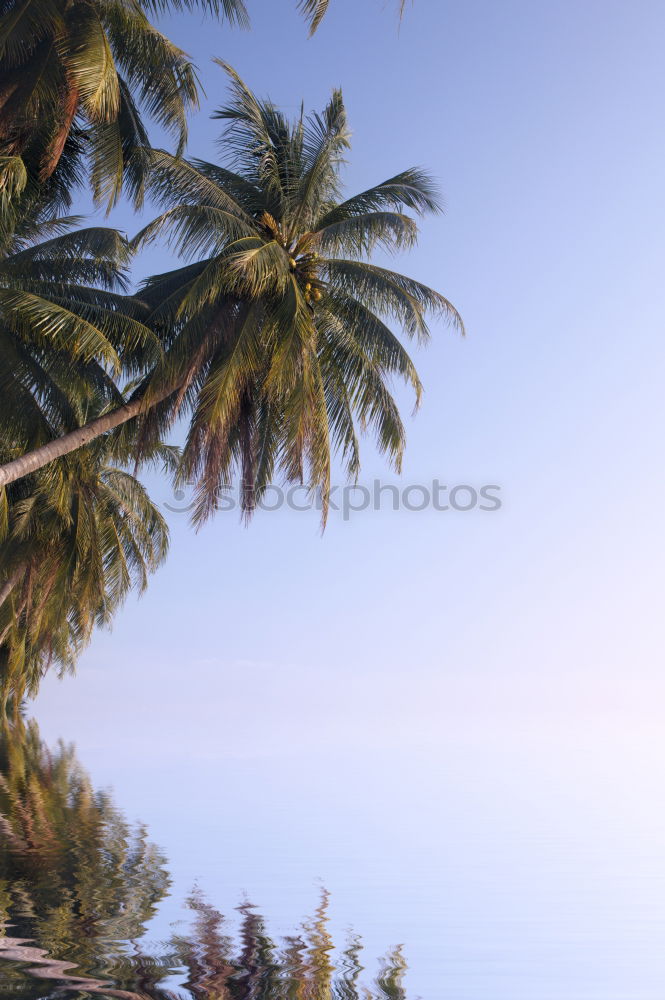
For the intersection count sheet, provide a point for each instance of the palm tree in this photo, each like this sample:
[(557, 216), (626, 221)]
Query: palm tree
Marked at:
[(77, 538), (77, 535), (73, 74), (66, 328), (275, 332), (75, 77)]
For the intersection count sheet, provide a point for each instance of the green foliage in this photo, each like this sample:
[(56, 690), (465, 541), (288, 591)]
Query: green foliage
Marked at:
[(65, 326), (276, 333), (76, 79), (81, 534), (72, 78), (78, 534), (278, 339)]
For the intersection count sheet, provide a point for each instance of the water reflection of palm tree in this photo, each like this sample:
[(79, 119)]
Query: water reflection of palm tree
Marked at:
[(302, 968), (73, 874), (78, 885)]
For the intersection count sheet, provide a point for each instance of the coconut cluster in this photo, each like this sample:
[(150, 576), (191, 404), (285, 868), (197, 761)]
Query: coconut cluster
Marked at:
[(306, 266)]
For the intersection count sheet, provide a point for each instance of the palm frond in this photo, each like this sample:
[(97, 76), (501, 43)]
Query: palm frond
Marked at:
[(314, 11), (414, 189), (324, 144), (360, 235), (390, 293), (37, 318), (86, 52), (256, 133)]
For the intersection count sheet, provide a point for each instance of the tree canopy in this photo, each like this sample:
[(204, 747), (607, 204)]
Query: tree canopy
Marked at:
[(276, 342)]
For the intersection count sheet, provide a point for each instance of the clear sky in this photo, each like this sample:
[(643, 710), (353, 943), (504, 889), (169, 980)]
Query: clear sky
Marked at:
[(455, 720)]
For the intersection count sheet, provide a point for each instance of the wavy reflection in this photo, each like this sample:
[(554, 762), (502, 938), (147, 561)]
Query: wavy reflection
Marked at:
[(78, 886), (77, 882), (304, 966)]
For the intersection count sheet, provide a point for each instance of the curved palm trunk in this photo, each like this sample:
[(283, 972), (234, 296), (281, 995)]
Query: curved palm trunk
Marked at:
[(68, 443)]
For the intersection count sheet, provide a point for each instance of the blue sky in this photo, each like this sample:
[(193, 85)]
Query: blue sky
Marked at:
[(453, 719)]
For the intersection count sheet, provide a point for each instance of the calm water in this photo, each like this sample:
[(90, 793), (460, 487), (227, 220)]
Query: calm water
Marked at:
[(330, 878)]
